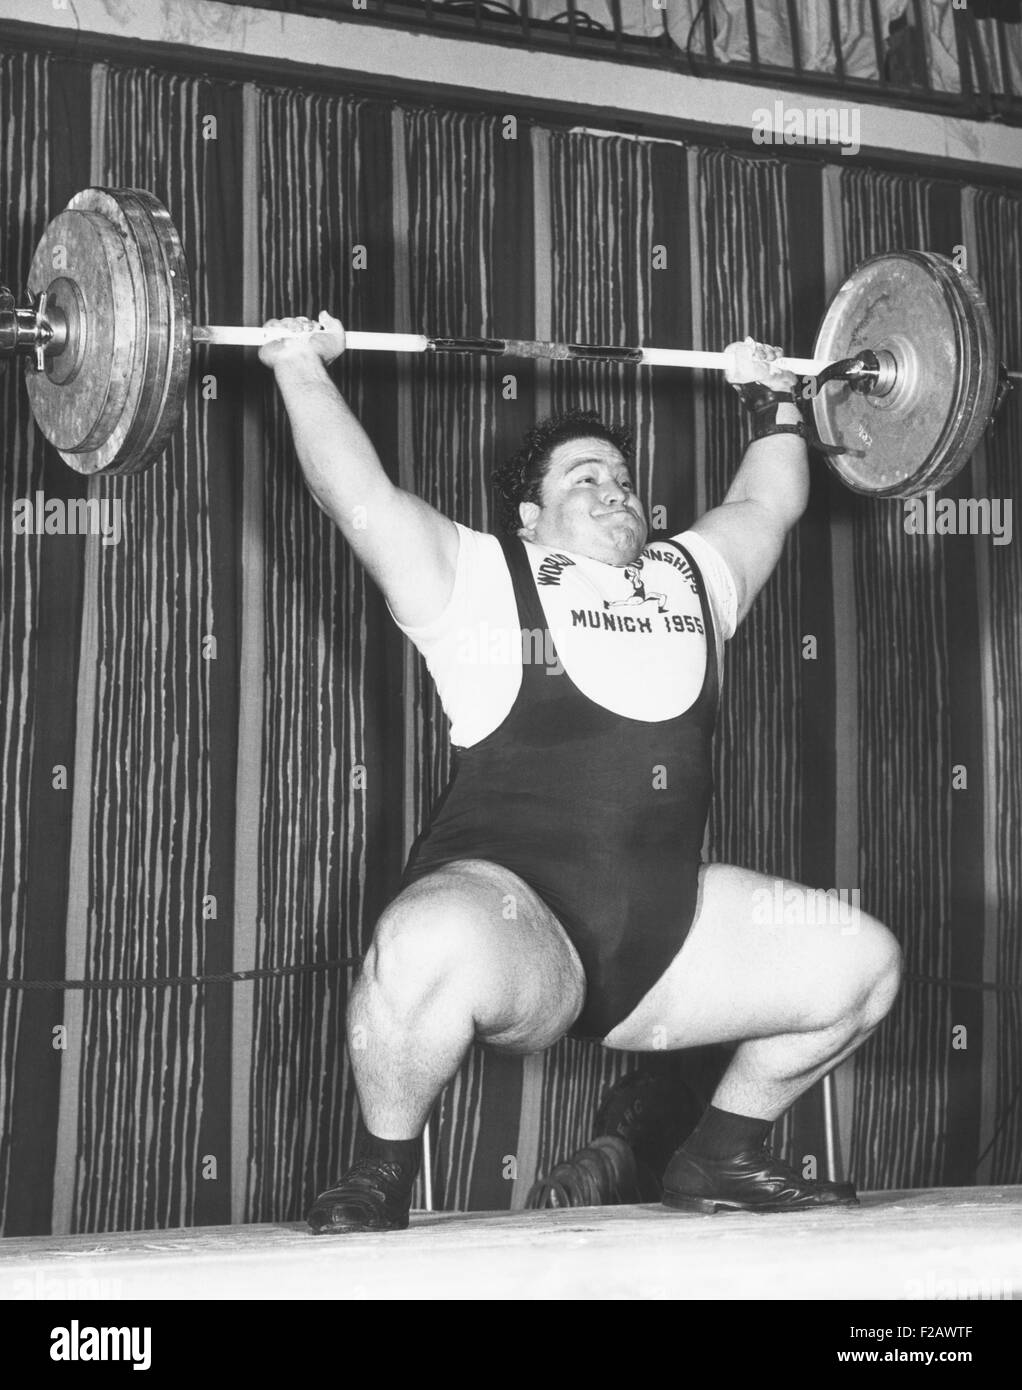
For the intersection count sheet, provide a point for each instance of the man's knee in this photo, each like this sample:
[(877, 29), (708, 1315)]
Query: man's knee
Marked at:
[(883, 972), (430, 932), (517, 976), (864, 981)]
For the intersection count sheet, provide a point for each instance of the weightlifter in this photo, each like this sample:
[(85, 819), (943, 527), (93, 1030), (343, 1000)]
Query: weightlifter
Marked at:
[(558, 887)]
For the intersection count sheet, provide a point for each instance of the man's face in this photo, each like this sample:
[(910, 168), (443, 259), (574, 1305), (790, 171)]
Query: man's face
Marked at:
[(587, 504)]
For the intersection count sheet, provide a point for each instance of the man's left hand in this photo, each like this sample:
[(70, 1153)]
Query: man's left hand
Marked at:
[(752, 361), (295, 339)]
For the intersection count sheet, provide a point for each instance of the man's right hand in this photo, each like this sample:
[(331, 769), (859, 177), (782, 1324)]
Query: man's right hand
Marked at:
[(752, 361), (302, 339), (408, 548)]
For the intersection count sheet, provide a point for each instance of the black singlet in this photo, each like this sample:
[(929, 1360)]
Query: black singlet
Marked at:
[(602, 815)]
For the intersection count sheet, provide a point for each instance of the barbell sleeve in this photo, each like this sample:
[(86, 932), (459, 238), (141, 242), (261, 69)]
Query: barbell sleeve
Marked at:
[(219, 335)]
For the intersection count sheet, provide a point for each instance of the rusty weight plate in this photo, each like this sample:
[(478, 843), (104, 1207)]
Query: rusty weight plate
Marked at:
[(932, 328), (112, 263)]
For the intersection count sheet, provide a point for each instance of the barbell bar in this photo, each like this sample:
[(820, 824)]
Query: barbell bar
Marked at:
[(220, 335), (906, 347)]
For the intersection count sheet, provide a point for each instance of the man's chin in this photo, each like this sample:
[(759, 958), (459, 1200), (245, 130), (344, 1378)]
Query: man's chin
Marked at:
[(626, 541), (612, 543)]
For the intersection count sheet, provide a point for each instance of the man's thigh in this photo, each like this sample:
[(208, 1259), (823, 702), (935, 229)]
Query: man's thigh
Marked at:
[(523, 975), (764, 956)]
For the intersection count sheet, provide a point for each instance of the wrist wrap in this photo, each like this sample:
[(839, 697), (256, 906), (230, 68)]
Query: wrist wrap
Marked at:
[(761, 401)]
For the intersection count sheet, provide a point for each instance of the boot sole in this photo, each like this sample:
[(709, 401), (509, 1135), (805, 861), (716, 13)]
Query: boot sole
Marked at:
[(709, 1206), (352, 1229)]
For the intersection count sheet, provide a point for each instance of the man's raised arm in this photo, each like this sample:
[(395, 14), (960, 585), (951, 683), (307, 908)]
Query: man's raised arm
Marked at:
[(770, 490), (408, 547)]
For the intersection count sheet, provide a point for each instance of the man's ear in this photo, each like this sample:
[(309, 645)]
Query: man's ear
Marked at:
[(529, 513)]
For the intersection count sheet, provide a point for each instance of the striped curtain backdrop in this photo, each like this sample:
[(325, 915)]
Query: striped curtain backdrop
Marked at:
[(38, 577), (902, 1077), (328, 784), (996, 246), (251, 745), (157, 706)]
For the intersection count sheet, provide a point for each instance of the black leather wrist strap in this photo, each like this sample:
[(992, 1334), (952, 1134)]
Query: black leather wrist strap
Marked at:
[(762, 402), (810, 436), (801, 429)]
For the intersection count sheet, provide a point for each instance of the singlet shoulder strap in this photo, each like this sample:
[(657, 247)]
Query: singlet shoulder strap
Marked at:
[(711, 683), (530, 611)]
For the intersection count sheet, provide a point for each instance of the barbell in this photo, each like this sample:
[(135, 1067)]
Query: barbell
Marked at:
[(904, 375)]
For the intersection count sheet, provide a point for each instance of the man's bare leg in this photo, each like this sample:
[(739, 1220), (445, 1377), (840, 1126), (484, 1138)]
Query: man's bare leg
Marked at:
[(800, 984), (466, 953), (799, 996)]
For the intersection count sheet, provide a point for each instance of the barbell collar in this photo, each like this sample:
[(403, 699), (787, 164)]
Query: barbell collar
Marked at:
[(30, 330), (874, 374)]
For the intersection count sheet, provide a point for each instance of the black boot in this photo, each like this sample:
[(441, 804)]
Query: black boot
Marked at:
[(374, 1195), (750, 1181), (604, 1173)]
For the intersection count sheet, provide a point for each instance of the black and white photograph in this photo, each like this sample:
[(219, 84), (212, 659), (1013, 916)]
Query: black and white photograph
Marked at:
[(510, 669)]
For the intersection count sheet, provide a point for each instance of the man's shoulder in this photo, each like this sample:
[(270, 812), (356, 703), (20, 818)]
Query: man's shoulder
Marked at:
[(689, 539), (669, 548), (716, 575), (483, 577), (702, 551), (478, 542)]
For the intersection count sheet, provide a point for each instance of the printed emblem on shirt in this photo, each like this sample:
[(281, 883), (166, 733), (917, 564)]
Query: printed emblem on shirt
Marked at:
[(632, 638)]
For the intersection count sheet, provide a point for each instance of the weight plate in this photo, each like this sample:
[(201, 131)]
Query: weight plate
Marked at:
[(169, 340), (934, 322), (112, 262), (90, 271)]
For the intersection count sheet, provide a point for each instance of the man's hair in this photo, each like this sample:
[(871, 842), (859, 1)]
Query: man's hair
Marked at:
[(521, 477)]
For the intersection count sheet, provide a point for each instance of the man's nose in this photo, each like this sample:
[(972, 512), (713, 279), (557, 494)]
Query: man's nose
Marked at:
[(613, 494)]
